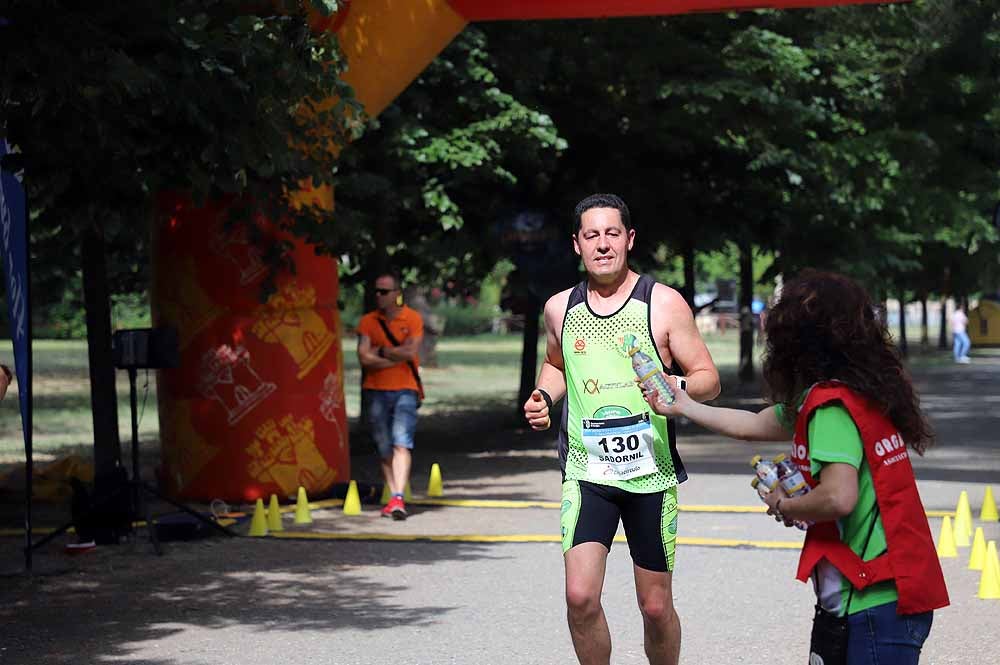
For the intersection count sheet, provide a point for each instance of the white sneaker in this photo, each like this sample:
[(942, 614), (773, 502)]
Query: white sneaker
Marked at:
[(964, 360)]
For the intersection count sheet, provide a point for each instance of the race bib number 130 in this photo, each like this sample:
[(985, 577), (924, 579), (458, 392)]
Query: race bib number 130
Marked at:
[(619, 448)]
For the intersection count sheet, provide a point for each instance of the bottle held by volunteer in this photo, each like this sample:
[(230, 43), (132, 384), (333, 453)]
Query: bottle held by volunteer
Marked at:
[(769, 475), (650, 375), (790, 477), (766, 471)]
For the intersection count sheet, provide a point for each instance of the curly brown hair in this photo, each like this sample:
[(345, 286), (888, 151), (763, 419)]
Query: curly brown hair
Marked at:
[(824, 327)]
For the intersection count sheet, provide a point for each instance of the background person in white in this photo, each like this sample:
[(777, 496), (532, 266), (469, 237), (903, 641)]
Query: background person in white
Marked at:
[(961, 342)]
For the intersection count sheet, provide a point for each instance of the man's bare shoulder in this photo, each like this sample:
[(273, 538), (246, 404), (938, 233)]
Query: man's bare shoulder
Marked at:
[(557, 303), (666, 296)]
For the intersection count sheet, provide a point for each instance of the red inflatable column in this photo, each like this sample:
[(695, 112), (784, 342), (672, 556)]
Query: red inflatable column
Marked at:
[(257, 404)]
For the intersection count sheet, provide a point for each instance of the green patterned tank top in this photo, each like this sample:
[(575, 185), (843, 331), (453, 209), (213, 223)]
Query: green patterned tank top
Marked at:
[(608, 433)]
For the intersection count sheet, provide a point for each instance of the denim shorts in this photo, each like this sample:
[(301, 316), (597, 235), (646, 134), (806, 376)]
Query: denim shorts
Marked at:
[(392, 417), (879, 636)]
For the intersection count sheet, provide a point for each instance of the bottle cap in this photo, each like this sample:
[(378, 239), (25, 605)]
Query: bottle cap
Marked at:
[(754, 460), (754, 482), (779, 458), (632, 350)]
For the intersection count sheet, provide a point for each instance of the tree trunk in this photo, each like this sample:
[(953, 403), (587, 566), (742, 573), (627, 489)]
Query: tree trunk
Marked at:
[(925, 335), (745, 372), (943, 332), (689, 287), (103, 396), (904, 347), (529, 352)]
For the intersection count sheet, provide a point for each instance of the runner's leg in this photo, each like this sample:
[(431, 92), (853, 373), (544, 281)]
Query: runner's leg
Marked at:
[(585, 566), (661, 625)]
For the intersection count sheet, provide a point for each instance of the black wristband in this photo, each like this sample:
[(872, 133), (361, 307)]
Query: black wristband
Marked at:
[(545, 396), (381, 352)]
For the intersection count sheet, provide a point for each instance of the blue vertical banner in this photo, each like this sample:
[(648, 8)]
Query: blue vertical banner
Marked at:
[(14, 235), (14, 255)]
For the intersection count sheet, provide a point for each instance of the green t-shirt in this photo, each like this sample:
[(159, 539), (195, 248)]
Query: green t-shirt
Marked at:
[(834, 438)]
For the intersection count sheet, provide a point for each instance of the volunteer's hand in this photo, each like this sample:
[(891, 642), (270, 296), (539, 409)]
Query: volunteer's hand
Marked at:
[(771, 499), (681, 399)]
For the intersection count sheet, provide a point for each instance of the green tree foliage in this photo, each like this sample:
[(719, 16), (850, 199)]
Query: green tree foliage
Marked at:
[(114, 102), (425, 186)]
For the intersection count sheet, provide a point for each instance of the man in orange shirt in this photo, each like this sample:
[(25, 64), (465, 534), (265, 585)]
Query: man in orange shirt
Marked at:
[(388, 344)]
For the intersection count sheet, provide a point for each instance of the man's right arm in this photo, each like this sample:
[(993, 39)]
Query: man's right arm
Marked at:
[(552, 377)]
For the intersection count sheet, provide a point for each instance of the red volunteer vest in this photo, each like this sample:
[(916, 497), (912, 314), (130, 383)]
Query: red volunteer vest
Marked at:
[(911, 559)]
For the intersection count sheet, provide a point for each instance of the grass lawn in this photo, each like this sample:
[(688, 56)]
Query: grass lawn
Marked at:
[(475, 373)]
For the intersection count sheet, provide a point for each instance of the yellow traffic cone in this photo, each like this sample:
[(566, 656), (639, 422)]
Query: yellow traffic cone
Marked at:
[(352, 504), (258, 525), (989, 583), (963, 520), (978, 555), (946, 541), (406, 492), (989, 510), (274, 515), (435, 487), (302, 514), (386, 494)]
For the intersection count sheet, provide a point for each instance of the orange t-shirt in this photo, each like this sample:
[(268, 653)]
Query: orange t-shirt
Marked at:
[(405, 325)]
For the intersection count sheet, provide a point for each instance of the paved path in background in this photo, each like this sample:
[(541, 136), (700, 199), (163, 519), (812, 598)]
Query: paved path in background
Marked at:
[(221, 601)]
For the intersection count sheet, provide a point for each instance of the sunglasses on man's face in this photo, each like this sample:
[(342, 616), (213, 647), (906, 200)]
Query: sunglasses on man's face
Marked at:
[(382, 292)]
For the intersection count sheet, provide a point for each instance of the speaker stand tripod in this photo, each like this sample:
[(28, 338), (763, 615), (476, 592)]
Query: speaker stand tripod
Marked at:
[(137, 489), (140, 490)]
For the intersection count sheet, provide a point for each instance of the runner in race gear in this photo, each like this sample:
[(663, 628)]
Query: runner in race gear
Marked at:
[(618, 457)]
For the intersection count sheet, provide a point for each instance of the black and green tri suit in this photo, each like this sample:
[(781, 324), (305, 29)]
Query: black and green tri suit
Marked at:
[(618, 458)]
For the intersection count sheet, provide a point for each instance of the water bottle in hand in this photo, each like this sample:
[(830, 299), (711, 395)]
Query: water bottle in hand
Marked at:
[(791, 479), (650, 375)]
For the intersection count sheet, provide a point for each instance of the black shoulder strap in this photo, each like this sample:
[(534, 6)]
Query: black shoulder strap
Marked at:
[(409, 363), (577, 295), (644, 288)]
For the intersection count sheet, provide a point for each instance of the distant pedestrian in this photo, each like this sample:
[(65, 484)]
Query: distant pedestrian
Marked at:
[(389, 351), (960, 335)]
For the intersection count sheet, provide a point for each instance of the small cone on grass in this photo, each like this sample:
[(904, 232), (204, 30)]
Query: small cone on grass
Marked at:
[(435, 487), (989, 510), (258, 525), (407, 496), (978, 556), (352, 503), (386, 494), (963, 520), (989, 583), (274, 515), (302, 514), (946, 541)]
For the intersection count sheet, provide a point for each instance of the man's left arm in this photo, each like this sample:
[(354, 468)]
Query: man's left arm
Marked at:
[(684, 341)]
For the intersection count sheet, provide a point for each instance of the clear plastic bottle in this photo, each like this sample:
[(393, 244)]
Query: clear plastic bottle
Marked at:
[(767, 472), (650, 375), (768, 476), (790, 477), (759, 486)]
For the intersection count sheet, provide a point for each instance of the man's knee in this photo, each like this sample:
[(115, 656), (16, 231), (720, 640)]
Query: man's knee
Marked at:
[(657, 608), (582, 601)]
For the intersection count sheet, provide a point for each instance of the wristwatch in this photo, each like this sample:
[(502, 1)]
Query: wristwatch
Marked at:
[(682, 383)]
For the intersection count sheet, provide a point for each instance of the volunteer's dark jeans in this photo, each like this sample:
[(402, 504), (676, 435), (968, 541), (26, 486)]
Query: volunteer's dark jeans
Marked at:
[(879, 636)]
